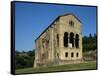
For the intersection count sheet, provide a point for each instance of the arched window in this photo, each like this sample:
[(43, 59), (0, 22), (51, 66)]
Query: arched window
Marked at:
[(77, 41), (66, 54), (72, 54), (57, 39), (71, 23), (77, 54), (72, 38), (66, 39)]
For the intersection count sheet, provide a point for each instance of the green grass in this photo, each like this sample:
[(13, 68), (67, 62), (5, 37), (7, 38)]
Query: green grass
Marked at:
[(68, 67)]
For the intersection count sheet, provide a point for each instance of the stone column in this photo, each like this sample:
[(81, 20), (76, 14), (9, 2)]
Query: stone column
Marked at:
[(52, 46), (74, 39), (80, 45), (68, 38)]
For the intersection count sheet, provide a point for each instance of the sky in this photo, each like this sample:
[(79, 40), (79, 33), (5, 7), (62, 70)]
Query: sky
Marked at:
[(32, 18)]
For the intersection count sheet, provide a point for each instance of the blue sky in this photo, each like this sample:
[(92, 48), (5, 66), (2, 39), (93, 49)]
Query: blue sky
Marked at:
[(31, 19)]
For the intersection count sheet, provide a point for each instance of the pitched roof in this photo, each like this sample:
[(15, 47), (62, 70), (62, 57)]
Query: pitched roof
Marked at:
[(55, 20)]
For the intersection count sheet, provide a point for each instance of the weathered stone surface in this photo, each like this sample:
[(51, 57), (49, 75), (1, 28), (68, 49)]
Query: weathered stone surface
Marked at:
[(60, 43)]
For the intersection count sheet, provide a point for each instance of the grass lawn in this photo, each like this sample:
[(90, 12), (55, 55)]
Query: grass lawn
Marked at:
[(68, 67)]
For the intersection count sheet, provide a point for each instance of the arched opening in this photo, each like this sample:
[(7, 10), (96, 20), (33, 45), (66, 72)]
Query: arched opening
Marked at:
[(71, 23), (72, 54), (66, 39), (57, 40), (43, 42), (77, 41), (72, 38), (77, 54), (66, 54)]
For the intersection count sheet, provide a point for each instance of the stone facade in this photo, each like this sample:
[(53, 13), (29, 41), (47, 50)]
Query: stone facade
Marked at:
[(60, 43)]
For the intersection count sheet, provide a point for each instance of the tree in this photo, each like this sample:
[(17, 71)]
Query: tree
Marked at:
[(24, 59), (90, 35), (89, 42), (31, 53)]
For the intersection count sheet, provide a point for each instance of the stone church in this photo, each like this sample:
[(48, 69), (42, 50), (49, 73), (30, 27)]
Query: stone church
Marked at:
[(60, 43)]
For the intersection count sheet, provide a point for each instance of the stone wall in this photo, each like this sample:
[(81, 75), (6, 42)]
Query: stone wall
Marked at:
[(52, 47)]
